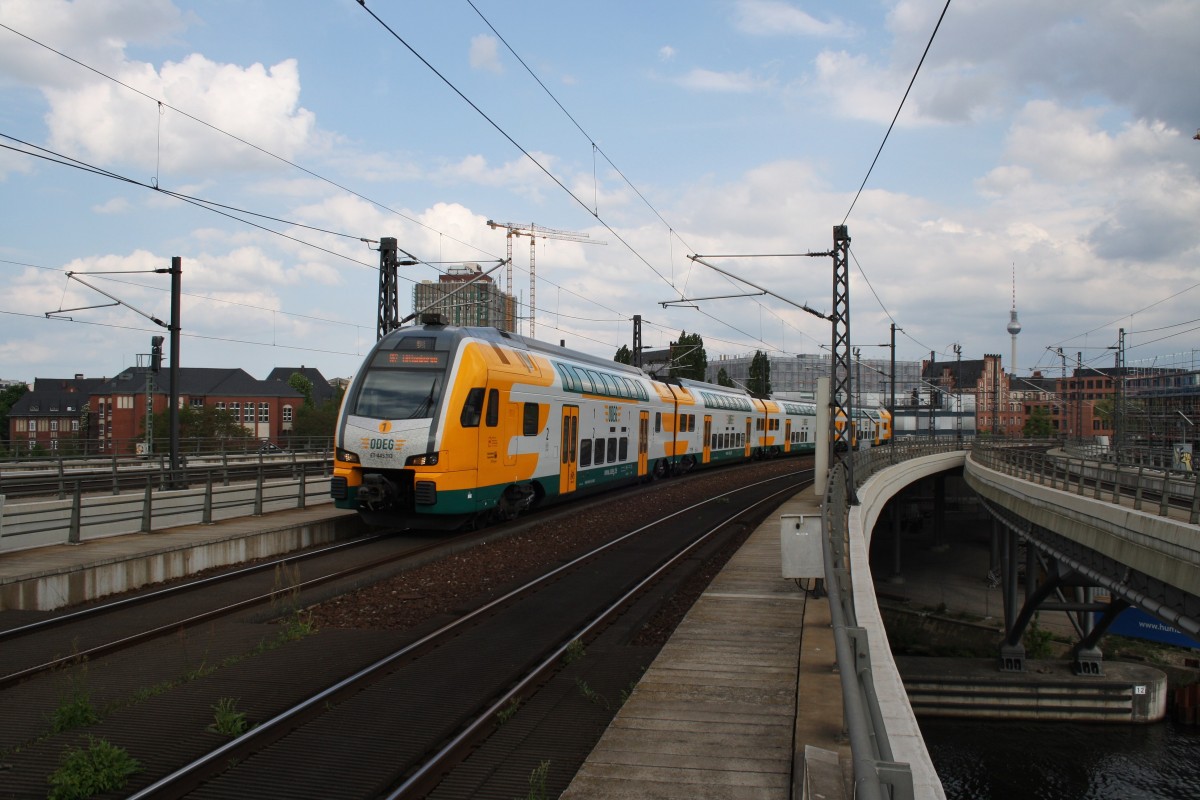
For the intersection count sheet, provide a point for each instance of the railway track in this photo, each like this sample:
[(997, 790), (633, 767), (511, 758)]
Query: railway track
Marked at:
[(108, 627), (372, 740), (422, 708)]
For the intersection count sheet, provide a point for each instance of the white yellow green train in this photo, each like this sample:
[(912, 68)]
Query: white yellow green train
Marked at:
[(446, 425)]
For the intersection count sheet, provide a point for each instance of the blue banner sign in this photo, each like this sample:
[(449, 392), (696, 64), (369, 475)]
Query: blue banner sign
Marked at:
[(1137, 624)]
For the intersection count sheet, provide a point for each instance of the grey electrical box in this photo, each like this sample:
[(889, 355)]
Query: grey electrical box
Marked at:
[(800, 545)]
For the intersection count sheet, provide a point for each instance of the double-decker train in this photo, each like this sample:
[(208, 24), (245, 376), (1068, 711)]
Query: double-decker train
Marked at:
[(445, 425)]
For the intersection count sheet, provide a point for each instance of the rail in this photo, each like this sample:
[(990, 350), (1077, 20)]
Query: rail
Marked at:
[(83, 516), (874, 765), (1146, 486)]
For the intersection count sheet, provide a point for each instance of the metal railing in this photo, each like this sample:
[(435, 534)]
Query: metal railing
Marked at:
[(875, 766), (56, 477), (1147, 487), (212, 497)]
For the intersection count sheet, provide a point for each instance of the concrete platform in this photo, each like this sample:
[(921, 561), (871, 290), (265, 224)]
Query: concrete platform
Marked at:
[(727, 709), (47, 578)]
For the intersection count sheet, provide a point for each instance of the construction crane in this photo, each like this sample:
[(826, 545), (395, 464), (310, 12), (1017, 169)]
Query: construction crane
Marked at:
[(533, 232)]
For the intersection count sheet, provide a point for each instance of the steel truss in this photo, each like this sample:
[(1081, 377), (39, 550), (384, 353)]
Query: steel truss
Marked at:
[(1054, 563)]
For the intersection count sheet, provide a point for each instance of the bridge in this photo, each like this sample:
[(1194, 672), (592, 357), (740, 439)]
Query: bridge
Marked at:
[(1091, 526)]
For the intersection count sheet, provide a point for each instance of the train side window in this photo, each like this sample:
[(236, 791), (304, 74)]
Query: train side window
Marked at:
[(691, 422), (599, 451), (529, 423), (657, 421), (623, 449), (585, 453), (493, 408), (713, 443), (472, 409), (612, 449)]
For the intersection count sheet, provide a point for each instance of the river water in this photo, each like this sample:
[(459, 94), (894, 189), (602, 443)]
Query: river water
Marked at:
[(1056, 761)]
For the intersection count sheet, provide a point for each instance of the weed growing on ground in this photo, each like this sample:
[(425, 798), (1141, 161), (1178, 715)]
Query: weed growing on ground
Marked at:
[(537, 782), (297, 625), (285, 592), (75, 704), (592, 695), (227, 720), (1037, 640), (102, 767), (506, 713), (575, 651)]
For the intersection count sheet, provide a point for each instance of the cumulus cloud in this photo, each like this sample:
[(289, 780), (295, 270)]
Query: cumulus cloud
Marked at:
[(988, 55), (115, 205), (778, 18), (107, 124), (705, 80), (484, 53)]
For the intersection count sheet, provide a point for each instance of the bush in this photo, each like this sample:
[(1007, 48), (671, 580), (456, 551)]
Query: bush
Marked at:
[(102, 767)]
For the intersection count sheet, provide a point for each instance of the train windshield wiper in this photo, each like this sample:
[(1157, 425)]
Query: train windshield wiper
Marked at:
[(422, 411)]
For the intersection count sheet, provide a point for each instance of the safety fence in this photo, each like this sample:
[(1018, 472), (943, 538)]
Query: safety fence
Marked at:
[(1149, 488), (877, 774), (210, 496)]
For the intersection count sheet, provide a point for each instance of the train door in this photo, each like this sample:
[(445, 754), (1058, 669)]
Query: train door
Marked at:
[(643, 443), (787, 435), (707, 439), (569, 449), (509, 434), (749, 422)]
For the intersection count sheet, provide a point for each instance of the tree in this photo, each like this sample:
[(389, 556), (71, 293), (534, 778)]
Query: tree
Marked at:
[(207, 423), (302, 385), (8, 397), (1038, 426), (688, 359), (314, 422), (624, 355), (759, 382), (723, 378)]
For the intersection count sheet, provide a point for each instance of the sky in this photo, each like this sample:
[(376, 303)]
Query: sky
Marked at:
[(270, 145)]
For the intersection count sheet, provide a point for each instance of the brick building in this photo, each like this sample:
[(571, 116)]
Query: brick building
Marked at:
[(108, 415), (55, 415)]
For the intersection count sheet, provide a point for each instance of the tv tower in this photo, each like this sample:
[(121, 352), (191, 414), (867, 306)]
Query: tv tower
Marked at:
[(1014, 325)]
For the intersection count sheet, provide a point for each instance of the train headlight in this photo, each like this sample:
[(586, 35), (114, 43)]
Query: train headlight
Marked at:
[(424, 460), (342, 454)]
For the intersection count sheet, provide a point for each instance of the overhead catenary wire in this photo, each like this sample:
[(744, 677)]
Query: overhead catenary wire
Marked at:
[(672, 233), (156, 184), (163, 104), (525, 152)]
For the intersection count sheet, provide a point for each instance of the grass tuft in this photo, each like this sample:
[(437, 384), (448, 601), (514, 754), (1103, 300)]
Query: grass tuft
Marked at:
[(102, 767)]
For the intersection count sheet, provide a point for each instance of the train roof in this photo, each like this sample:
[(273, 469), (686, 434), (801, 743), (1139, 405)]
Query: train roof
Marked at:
[(452, 333)]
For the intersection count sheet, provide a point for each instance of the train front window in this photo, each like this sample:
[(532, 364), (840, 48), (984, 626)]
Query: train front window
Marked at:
[(399, 394)]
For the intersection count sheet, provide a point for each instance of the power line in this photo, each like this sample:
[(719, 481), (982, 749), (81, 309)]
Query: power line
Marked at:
[(214, 205), (913, 80), (208, 205), (513, 142), (225, 339), (195, 295), (264, 151), (597, 149)]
